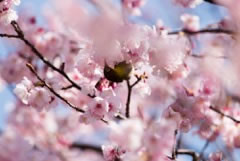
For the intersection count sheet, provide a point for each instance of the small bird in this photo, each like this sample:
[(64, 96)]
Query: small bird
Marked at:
[(120, 72)]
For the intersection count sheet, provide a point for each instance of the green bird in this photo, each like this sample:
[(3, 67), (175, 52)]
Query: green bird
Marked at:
[(120, 72)]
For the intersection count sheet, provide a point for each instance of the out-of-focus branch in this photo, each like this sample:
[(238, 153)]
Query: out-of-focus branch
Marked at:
[(40, 56), (210, 56), (67, 87), (224, 115), (193, 154), (177, 151), (20, 35), (31, 68), (203, 31), (95, 148), (98, 149), (204, 148), (210, 1), (9, 36), (175, 146)]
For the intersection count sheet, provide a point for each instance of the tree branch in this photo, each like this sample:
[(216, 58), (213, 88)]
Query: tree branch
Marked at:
[(86, 147), (204, 148), (20, 35), (128, 99), (130, 87), (174, 150), (203, 31), (210, 1), (224, 115), (9, 36), (98, 149), (94, 148), (194, 155), (31, 68)]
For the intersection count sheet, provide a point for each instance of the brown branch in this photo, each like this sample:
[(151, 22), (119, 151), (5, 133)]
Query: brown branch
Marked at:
[(204, 148), (203, 31), (235, 98), (210, 1), (130, 87), (179, 141), (31, 68), (9, 36), (20, 35), (174, 150), (98, 149), (224, 115), (95, 148), (206, 56), (194, 155), (37, 53), (128, 99), (67, 87), (215, 2)]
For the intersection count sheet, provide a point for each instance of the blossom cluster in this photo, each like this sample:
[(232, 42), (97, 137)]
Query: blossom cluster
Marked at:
[(7, 14)]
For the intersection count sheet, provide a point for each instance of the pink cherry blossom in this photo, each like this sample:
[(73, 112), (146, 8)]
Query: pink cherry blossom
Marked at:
[(190, 22), (38, 97), (216, 156), (92, 82), (111, 152), (7, 14), (23, 89), (130, 131), (98, 108)]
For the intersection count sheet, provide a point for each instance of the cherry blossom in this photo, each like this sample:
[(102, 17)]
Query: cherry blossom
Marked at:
[(92, 82), (7, 14), (133, 6), (216, 156), (23, 89), (38, 97)]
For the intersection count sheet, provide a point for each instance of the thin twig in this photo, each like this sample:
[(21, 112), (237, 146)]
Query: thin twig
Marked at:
[(194, 155), (94, 148), (98, 149), (204, 148), (179, 141), (130, 87), (128, 99), (31, 68), (21, 36), (67, 87), (203, 31), (224, 115)]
